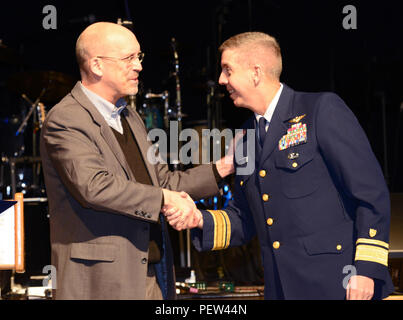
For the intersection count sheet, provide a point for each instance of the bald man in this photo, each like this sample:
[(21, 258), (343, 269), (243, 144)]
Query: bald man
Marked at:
[(108, 238), (317, 198)]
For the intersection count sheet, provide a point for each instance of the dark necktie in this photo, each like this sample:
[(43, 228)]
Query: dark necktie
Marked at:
[(262, 130)]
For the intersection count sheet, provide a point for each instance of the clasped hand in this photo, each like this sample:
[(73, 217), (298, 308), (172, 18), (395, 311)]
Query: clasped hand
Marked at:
[(180, 210)]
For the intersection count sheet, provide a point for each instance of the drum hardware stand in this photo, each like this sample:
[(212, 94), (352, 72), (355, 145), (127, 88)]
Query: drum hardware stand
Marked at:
[(35, 160), (179, 115), (12, 162), (214, 108), (129, 25), (126, 23), (33, 107), (3, 160), (132, 102), (178, 101), (209, 101)]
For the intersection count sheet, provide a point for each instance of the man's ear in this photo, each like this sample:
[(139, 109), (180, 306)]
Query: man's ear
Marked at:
[(257, 74), (95, 65)]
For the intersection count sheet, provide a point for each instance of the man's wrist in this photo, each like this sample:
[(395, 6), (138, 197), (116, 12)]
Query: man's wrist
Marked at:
[(200, 224), (224, 166)]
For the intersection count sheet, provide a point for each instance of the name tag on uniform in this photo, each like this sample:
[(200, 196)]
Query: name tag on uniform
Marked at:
[(296, 135)]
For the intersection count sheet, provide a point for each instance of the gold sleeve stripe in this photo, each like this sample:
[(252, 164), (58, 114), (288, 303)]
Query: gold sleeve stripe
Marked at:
[(215, 229), (372, 253), (228, 227), (372, 241), (222, 229), (218, 230)]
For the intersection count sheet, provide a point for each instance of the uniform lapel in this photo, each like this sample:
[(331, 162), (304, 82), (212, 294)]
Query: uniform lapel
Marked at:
[(277, 126), (105, 130), (247, 157)]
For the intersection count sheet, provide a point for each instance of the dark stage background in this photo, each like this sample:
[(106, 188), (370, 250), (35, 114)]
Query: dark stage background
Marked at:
[(364, 66)]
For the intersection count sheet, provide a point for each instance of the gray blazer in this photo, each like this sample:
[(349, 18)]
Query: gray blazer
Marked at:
[(99, 215)]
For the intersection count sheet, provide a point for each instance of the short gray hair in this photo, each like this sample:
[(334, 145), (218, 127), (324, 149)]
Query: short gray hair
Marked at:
[(251, 40)]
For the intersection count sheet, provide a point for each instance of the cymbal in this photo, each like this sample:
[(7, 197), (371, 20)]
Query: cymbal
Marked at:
[(31, 83)]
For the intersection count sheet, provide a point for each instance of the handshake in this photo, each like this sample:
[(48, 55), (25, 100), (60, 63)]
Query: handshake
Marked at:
[(181, 211), (179, 208)]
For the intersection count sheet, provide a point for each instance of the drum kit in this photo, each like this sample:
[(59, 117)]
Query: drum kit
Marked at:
[(19, 142)]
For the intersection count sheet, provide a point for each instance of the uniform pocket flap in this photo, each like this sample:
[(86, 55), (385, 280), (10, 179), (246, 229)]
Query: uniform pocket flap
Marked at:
[(93, 251), (293, 160), (334, 240)]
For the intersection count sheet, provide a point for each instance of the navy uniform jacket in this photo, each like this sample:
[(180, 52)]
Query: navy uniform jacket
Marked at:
[(317, 200)]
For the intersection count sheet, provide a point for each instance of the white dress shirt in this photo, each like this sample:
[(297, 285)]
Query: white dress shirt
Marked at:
[(108, 110), (270, 109)]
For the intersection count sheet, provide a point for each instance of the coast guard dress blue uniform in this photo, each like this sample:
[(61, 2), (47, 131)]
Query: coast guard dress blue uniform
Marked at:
[(317, 201)]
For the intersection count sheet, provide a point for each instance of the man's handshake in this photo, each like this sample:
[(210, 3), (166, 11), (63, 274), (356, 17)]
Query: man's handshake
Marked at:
[(180, 210)]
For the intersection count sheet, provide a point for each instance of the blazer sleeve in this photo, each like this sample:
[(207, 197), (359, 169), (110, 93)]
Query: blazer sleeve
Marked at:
[(232, 226), (199, 182), (357, 174)]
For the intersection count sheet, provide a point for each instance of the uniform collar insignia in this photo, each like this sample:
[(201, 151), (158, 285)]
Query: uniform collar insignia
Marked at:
[(297, 119)]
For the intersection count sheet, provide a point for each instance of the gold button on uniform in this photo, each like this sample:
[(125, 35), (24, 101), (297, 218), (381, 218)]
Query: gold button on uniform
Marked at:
[(294, 164), (265, 197), (241, 183), (262, 173), (338, 247), (276, 244), (269, 221)]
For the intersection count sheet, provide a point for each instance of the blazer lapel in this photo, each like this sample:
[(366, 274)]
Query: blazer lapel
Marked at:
[(105, 130), (278, 126), (140, 134)]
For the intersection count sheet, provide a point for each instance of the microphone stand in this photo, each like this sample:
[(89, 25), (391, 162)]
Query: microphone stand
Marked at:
[(178, 101), (178, 165), (33, 106)]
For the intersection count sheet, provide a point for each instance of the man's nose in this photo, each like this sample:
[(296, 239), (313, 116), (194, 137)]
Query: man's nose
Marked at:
[(137, 66), (222, 80)]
